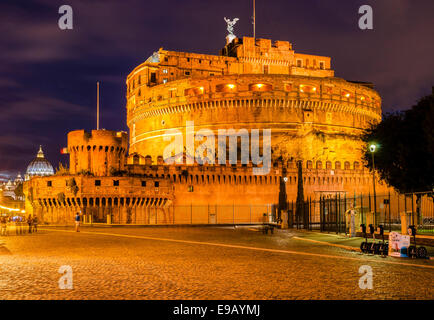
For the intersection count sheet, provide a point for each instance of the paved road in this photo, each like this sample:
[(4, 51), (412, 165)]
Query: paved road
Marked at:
[(198, 263)]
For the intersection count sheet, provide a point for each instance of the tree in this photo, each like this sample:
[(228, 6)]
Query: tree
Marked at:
[(299, 204), (405, 147), (61, 170)]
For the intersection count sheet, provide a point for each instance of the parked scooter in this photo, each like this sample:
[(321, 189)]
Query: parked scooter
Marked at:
[(381, 247), (414, 251), (364, 245), (371, 247)]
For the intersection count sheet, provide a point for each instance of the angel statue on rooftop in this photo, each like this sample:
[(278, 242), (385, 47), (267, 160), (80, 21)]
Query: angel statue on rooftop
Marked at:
[(230, 28)]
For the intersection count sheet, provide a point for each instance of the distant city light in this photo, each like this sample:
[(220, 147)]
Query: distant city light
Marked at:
[(10, 209)]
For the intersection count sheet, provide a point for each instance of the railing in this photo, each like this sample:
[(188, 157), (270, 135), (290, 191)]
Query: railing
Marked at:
[(329, 213), (182, 215)]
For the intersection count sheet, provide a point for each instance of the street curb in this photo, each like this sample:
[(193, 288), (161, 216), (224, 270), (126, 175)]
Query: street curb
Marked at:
[(104, 225), (330, 244)]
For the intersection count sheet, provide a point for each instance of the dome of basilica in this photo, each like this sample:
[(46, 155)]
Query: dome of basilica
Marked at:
[(39, 166)]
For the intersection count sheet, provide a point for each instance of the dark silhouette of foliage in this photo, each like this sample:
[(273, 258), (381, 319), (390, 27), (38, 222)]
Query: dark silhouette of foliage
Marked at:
[(405, 154), (73, 186)]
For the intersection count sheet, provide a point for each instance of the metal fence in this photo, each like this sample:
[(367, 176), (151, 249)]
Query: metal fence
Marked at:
[(328, 213), (180, 215)]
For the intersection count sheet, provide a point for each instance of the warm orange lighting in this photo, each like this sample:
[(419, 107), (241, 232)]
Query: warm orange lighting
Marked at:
[(259, 85), (230, 86), (10, 209), (347, 95), (307, 88)]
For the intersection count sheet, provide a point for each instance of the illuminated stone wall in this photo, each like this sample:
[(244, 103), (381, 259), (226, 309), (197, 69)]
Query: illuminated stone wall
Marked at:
[(98, 152), (313, 115), (181, 194)]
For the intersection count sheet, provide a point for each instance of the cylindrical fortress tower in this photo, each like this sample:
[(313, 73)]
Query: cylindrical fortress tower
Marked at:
[(100, 152), (312, 115)]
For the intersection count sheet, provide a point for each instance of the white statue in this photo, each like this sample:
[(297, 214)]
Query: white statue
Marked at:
[(231, 36)]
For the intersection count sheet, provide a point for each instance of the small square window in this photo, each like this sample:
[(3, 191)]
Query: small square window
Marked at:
[(49, 183), (164, 80), (299, 63), (321, 65), (188, 59), (143, 183), (190, 188), (187, 73), (164, 70), (116, 183), (97, 183), (157, 184)]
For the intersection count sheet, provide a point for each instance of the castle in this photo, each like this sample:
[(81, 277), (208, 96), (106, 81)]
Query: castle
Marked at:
[(315, 120)]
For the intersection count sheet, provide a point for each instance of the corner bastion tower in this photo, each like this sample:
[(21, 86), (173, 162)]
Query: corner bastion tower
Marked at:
[(315, 120), (100, 152)]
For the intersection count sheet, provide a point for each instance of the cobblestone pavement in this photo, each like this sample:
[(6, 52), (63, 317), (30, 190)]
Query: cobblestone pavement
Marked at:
[(198, 263)]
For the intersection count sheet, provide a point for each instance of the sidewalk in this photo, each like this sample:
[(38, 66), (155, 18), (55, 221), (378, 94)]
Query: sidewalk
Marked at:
[(353, 244)]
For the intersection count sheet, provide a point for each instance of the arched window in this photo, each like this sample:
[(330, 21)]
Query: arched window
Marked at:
[(288, 87), (194, 91), (226, 87), (260, 87), (305, 88)]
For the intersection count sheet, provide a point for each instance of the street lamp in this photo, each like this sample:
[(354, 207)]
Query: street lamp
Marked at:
[(372, 149)]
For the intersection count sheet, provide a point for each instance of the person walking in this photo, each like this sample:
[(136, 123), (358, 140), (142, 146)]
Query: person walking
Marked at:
[(35, 224), (30, 222), (3, 226), (77, 222)]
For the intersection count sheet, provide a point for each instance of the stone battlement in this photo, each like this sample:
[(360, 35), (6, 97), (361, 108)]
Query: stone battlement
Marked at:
[(97, 152)]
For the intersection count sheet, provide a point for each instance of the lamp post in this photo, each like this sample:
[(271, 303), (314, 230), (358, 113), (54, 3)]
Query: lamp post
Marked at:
[(372, 149), (282, 199)]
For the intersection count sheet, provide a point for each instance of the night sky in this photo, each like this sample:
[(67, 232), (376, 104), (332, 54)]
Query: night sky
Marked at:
[(48, 76)]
